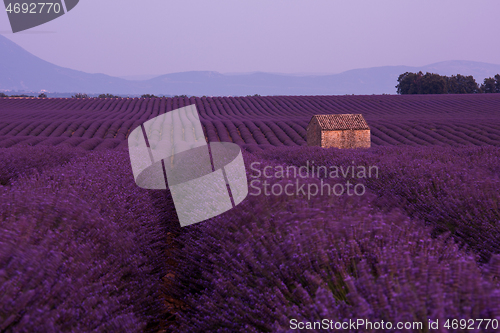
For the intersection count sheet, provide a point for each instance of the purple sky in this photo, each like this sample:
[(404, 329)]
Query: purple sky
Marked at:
[(124, 37)]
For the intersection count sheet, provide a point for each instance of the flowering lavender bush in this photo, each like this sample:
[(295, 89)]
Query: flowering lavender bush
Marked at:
[(274, 258), (81, 247), (452, 189), (13, 163)]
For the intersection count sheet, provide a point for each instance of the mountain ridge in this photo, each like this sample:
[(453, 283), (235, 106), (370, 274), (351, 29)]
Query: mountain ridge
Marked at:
[(21, 70)]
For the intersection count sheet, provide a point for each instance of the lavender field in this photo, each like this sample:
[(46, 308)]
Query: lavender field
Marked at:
[(83, 249), (254, 122)]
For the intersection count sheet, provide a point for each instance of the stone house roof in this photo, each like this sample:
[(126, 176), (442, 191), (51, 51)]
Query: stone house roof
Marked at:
[(338, 122)]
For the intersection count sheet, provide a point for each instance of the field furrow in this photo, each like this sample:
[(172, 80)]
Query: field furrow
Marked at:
[(415, 120)]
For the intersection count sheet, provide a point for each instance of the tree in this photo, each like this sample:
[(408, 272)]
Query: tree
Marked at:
[(497, 83), (42, 95), (489, 85), (3, 95), (148, 96), (80, 95), (108, 96), (418, 83), (432, 84), (409, 83), (461, 84)]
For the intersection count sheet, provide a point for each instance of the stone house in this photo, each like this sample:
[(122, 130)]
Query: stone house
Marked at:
[(339, 131)]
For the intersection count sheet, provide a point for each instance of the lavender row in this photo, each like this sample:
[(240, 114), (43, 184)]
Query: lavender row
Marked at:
[(83, 248), (274, 258)]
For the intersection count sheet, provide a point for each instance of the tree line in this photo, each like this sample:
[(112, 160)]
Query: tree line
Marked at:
[(22, 95), (80, 95), (431, 83)]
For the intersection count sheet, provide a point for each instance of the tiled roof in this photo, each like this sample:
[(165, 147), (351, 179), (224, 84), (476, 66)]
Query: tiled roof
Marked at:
[(334, 122)]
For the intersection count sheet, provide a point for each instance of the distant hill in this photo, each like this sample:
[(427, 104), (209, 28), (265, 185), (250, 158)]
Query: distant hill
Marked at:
[(138, 77), (22, 71)]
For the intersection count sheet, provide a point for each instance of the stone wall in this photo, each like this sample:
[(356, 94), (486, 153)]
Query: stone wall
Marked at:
[(313, 133), (346, 139)]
